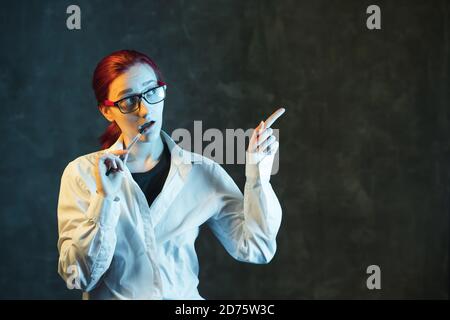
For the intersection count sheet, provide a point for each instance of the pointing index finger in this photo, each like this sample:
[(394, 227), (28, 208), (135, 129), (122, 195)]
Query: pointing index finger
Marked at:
[(273, 117)]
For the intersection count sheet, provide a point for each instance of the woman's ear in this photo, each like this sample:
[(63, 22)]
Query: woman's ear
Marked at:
[(106, 111)]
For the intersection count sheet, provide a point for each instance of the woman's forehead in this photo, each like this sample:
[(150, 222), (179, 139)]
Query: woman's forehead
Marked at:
[(135, 78)]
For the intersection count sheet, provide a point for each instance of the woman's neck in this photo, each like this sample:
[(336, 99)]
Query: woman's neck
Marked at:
[(144, 155)]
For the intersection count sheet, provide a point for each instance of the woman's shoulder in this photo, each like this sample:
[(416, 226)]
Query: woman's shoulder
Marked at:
[(86, 160), (82, 166)]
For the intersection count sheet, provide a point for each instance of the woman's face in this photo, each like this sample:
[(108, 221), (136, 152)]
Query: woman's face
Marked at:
[(135, 80)]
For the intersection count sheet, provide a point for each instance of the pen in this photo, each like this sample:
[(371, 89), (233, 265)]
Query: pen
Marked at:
[(135, 139)]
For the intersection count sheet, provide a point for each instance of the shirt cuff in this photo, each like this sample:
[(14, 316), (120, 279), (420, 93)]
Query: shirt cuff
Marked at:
[(104, 210), (256, 168)]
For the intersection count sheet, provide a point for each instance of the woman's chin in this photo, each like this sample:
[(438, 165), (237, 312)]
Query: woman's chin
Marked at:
[(150, 135)]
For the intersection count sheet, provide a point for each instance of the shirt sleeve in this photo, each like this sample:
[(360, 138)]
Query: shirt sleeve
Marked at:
[(247, 224), (86, 225)]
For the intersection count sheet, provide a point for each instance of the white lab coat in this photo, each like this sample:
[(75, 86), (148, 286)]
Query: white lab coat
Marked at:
[(120, 248)]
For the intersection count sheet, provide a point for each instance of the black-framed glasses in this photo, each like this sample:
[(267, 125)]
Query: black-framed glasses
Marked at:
[(132, 103)]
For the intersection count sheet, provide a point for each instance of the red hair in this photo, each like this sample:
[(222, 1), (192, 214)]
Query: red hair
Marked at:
[(108, 69)]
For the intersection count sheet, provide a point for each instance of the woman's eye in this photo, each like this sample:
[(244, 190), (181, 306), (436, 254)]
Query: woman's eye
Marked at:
[(132, 100), (128, 102)]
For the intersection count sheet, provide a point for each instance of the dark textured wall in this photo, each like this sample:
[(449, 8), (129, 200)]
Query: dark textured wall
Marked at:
[(364, 144)]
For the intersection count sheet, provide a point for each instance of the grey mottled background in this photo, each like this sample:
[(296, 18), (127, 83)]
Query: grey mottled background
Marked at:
[(364, 144)]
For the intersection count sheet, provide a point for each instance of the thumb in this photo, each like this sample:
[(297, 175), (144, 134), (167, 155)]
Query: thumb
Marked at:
[(257, 130), (254, 137), (261, 125)]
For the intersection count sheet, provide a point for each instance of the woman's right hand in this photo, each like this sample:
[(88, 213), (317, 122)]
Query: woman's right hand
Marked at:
[(109, 185)]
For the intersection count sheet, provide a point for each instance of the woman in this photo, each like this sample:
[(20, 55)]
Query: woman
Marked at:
[(128, 219)]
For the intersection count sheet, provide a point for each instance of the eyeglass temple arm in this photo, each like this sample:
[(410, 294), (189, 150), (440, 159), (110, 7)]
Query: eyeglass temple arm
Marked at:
[(108, 103)]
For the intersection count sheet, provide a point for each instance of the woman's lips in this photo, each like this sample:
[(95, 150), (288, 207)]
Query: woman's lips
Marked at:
[(146, 126)]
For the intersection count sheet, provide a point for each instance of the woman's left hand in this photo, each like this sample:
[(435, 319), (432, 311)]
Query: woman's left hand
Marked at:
[(263, 142)]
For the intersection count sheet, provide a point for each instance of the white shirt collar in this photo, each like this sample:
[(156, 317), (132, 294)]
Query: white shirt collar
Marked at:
[(181, 158)]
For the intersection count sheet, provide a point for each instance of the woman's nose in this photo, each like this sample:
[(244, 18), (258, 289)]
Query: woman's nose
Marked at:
[(143, 110)]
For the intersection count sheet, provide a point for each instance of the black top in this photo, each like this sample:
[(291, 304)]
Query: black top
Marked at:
[(152, 181)]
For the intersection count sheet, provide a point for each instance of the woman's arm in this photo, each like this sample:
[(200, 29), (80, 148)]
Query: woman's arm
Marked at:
[(86, 225), (247, 225)]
